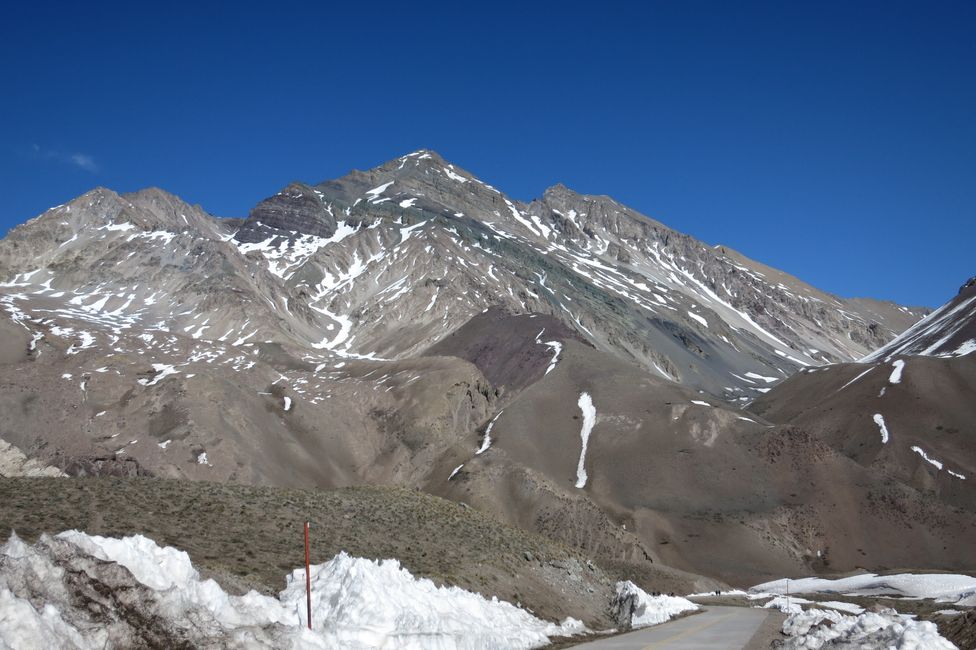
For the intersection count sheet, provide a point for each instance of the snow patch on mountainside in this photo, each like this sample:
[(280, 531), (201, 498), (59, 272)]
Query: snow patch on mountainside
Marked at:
[(589, 420), (702, 321), (855, 379), (895, 377), (966, 348), (938, 464), (921, 452), (486, 442), (879, 420), (162, 371), (557, 348)]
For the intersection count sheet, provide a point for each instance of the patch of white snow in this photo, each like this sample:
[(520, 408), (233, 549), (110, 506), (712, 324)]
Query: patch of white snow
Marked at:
[(879, 420), (589, 420)]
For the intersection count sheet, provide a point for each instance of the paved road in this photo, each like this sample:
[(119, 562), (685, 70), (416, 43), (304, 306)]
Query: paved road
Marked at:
[(718, 628)]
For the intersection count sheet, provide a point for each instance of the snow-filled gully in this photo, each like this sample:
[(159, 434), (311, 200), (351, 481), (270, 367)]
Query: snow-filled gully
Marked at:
[(879, 420), (589, 420), (486, 443)]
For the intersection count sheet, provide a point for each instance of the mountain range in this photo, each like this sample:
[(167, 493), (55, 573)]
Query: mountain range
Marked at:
[(569, 365)]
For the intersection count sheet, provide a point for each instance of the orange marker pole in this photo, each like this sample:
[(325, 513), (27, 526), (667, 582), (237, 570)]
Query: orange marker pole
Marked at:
[(308, 580)]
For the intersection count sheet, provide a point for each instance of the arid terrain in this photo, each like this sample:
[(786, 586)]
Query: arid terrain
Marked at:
[(532, 401)]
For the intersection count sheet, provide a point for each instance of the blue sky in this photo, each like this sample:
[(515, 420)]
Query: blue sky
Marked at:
[(836, 141)]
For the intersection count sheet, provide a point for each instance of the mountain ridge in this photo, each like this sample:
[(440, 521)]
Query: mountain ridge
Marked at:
[(411, 325), (309, 214)]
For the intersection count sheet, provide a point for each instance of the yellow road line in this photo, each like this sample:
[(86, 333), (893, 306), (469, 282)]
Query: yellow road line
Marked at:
[(657, 644)]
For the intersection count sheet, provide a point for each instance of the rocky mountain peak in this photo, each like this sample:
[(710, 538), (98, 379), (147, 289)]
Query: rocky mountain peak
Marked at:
[(157, 200), (297, 209), (589, 211), (419, 158), (166, 210), (419, 168), (418, 185), (95, 208), (561, 193), (423, 165)]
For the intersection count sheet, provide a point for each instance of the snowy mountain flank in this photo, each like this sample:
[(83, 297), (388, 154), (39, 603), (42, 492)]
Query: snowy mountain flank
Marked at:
[(568, 366), (949, 331)]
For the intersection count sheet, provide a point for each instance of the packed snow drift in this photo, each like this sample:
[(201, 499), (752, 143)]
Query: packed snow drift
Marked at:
[(644, 610), (819, 628), (82, 592)]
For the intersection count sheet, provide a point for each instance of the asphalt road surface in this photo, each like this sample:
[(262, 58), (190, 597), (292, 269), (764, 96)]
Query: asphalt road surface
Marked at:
[(718, 628)]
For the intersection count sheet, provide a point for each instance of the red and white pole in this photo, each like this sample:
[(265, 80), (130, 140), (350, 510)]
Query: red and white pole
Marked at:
[(308, 580)]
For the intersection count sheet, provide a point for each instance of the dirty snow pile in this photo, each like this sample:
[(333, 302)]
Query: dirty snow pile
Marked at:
[(819, 628), (80, 592), (650, 610)]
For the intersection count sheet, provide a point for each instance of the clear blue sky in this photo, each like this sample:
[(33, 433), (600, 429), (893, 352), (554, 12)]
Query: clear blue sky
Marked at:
[(836, 141)]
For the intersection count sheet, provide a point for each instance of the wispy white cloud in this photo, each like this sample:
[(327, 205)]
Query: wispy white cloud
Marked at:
[(80, 160), (84, 161)]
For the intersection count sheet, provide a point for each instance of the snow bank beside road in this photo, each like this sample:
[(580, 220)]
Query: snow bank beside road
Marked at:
[(83, 592), (648, 610), (819, 628), (359, 603), (942, 587)]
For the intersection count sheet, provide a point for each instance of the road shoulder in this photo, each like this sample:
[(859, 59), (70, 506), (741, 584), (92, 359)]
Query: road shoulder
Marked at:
[(769, 630)]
